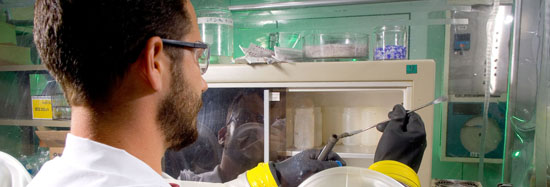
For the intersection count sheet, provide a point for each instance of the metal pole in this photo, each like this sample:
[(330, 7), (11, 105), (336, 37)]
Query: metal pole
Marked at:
[(541, 133), (266, 125)]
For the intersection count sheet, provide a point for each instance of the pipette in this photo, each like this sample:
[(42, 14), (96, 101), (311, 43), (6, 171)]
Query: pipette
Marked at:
[(334, 138)]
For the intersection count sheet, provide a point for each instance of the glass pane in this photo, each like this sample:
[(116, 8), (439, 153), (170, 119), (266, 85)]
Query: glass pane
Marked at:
[(33, 114), (231, 137), (524, 153)]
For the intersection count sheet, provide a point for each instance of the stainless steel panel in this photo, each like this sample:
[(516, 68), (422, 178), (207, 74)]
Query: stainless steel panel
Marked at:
[(467, 68)]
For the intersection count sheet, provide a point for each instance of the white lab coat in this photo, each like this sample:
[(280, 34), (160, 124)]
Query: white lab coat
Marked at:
[(210, 176), (88, 163), (12, 173), (240, 181)]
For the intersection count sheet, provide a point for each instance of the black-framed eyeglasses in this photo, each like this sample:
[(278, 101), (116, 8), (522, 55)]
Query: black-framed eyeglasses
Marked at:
[(202, 57)]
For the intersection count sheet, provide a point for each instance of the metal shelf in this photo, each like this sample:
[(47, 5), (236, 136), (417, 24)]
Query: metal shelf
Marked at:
[(476, 99), (345, 151), (35, 123), (22, 68), (310, 3)]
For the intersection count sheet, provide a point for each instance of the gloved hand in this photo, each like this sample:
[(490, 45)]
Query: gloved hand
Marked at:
[(404, 138), (294, 170)]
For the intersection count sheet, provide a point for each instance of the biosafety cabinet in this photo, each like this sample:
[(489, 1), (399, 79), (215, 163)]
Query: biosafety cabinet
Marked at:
[(300, 105)]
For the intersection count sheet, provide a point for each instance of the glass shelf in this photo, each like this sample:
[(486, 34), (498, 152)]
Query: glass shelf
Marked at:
[(294, 4), (36, 123), (22, 68)]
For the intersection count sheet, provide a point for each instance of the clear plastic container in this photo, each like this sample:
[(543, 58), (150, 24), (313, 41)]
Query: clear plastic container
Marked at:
[(336, 47), (304, 127), (391, 43), (216, 27), (349, 176)]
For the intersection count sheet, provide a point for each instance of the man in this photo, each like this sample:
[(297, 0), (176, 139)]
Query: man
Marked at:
[(130, 71), (242, 139)]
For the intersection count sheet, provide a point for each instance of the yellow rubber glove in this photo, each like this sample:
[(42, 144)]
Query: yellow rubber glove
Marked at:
[(292, 171)]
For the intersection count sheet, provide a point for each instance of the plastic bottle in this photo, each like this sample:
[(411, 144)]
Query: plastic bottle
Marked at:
[(332, 122), (304, 122), (304, 127), (318, 120), (216, 27), (371, 116), (351, 120)]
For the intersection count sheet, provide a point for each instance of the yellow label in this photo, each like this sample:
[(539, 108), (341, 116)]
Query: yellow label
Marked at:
[(41, 107)]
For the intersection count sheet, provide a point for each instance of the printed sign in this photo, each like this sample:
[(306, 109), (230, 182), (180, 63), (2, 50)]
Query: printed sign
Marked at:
[(41, 107)]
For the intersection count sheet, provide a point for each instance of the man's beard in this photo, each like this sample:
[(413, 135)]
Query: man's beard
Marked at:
[(178, 112)]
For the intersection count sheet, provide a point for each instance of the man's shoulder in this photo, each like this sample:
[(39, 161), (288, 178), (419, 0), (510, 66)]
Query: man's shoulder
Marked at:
[(57, 173)]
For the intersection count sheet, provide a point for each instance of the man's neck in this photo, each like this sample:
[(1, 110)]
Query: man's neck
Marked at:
[(134, 131)]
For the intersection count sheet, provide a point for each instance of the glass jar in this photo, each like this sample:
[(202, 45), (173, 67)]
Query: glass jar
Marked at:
[(216, 27), (391, 43), (336, 46)]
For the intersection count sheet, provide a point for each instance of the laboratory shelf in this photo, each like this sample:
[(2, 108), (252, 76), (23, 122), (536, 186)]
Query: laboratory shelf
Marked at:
[(477, 99), (314, 3), (345, 151), (35, 123), (22, 68)]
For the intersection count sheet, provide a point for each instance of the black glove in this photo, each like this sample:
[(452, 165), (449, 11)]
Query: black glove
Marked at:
[(404, 138), (294, 170)]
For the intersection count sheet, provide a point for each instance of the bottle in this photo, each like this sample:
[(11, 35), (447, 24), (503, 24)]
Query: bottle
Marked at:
[(318, 129), (371, 116), (391, 43), (351, 121), (304, 127), (304, 123), (216, 27)]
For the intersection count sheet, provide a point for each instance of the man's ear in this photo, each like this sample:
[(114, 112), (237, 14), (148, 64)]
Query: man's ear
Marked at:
[(153, 63)]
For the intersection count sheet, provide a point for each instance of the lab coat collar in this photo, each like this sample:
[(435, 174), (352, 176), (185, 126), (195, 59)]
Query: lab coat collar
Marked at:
[(85, 153)]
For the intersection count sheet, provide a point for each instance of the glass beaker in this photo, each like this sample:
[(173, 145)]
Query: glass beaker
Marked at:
[(336, 46), (391, 43), (216, 27)]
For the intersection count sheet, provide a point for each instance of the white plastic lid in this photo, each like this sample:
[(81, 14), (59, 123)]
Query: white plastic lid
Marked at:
[(349, 176)]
